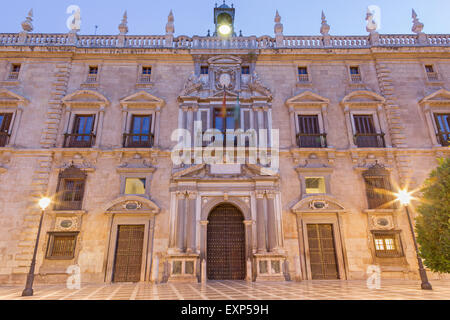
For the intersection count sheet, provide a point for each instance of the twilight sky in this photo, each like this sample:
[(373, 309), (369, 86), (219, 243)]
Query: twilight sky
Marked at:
[(253, 17)]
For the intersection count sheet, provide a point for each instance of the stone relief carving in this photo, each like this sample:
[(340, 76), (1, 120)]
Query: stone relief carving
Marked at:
[(192, 85)]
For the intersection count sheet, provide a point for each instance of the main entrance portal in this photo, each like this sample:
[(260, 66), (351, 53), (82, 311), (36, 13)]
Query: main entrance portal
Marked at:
[(226, 244)]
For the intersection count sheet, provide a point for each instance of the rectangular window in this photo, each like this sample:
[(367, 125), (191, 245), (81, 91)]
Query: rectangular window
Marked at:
[(355, 74), (61, 245), (387, 244), (366, 135), (204, 70), (309, 135), (303, 74), (443, 126), (315, 185), (92, 76), (146, 74), (14, 73), (140, 135), (5, 123), (82, 133), (378, 190), (245, 70), (71, 193), (431, 73), (135, 185)]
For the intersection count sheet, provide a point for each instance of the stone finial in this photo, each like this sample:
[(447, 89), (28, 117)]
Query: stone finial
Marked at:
[(417, 25), (123, 26), (27, 25), (278, 25), (170, 26), (325, 28), (371, 24)]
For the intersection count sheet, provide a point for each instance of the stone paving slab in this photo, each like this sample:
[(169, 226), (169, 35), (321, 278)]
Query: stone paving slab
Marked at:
[(238, 290)]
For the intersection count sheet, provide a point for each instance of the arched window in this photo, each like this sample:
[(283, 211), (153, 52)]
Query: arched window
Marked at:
[(378, 187), (70, 190)]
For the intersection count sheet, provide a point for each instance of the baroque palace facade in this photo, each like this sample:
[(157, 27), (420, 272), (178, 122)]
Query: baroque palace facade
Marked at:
[(88, 121)]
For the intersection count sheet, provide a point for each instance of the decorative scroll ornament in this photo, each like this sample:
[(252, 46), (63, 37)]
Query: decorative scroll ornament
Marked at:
[(225, 79), (27, 25), (318, 205), (132, 205)]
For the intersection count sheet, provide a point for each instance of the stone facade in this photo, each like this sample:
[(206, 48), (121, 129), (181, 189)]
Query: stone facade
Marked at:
[(54, 85)]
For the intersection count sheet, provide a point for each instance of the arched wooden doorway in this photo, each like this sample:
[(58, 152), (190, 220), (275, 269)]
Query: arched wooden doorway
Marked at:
[(226, 244)]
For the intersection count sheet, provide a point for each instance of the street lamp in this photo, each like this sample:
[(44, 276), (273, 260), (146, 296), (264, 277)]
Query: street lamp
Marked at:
[(405, 199), (28, 291)]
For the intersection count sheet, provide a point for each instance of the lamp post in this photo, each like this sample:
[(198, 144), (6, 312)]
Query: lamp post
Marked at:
[(405, 198), (28, 291)]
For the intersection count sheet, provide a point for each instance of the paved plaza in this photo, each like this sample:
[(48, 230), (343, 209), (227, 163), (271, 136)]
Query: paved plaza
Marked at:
[(238, 290)]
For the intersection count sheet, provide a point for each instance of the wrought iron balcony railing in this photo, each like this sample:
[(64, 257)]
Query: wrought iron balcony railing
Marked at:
[(305, 140), (370, 140), (444, 138), (4, 138), (131, 140), (76, 140), (68, 205)]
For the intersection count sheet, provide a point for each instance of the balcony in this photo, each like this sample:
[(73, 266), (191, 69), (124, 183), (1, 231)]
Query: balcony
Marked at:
[(4, 138), (356, 78), (303, 78), (444, 138), (432, 76), (131, 140), (305, 140), (370, 140), (92, 78), (62, 205), (145, 79), (13, 76), (76, 140)]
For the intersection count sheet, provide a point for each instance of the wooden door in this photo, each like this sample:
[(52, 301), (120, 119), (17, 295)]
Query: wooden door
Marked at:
[(226, 244), (128, 261), (322, 252)]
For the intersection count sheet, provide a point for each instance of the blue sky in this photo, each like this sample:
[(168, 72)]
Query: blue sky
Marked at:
[(253, 17)]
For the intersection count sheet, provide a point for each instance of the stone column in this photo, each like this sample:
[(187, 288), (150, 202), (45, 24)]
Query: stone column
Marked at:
[(348, 121), (15, 127), (384, 126), (204, 232), (99, 132), (156, 132), (293, 127), (190, 225), (430, 122), (325, 123), (261, 223), (181, 213), (248, 237), (271, 223)]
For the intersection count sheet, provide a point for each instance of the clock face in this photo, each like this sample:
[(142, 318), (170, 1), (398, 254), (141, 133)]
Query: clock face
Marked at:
[(225, 79)]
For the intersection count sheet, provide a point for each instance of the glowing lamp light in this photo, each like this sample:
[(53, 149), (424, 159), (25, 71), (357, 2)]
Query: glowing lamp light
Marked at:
[(44, 203), (404, 197), (225, 30)]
